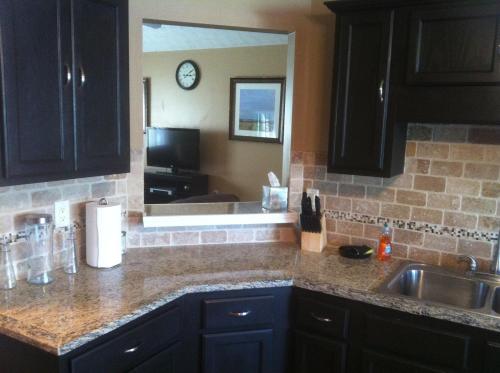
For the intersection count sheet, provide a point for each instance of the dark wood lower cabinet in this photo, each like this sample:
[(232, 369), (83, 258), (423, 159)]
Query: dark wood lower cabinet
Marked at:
[(167, 361), (317, 354), (242, 352), (378, 363), (275, 330)]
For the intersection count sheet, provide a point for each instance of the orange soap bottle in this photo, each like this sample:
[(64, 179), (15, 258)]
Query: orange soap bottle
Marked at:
[(384, 251)]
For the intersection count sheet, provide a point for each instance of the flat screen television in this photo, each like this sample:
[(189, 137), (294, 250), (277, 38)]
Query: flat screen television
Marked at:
[(174, 148)]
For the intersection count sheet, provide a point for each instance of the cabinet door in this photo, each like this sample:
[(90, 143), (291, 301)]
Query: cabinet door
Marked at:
[(455, 45), (164, 362), (36, 87), (492, 360), (101, 89), (318, 355), (358, 136), (379, 363), (242, 352)]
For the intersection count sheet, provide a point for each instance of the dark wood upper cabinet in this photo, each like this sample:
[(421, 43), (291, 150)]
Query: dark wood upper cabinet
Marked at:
[(457, 44), (37, 96), (64, 89), (101, 89), (361, 135), (396, 62)]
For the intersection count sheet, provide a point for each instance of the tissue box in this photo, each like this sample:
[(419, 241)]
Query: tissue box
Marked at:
[(274, 198)]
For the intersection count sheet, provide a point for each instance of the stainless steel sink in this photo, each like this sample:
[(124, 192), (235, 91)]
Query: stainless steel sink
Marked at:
[(435, 284)]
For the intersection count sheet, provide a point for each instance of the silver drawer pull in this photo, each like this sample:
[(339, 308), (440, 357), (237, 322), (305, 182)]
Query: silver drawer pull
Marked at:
[(131, 350), (319, 318), (239, 314)]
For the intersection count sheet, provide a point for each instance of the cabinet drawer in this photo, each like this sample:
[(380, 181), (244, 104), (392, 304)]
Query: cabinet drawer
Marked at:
[(406, 339), (323, 318), (132, 347), (238, 312)]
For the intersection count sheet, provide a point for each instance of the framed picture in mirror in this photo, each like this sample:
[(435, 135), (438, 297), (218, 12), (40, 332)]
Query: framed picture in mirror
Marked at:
[(256, 109)]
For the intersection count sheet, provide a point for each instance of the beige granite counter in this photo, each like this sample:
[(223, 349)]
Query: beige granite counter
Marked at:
[(76, 309)]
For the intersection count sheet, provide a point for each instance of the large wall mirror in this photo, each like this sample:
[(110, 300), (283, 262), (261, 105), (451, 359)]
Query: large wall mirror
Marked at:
[(217, 115)]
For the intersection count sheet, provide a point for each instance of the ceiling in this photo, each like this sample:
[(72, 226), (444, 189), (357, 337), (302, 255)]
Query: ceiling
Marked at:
[(166, 38)]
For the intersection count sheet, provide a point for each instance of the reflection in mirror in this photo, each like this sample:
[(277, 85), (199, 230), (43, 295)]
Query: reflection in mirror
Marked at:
[(214, 113)]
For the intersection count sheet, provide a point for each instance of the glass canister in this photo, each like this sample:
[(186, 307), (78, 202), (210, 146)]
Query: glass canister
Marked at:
[(39, 234), (7, 274)]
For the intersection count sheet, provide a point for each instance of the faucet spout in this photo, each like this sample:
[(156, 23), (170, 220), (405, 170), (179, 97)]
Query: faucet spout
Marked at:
[(495, 264)]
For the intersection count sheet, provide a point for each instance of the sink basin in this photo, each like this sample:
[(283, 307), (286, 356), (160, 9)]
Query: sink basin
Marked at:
[(430, 283), (496, 300)]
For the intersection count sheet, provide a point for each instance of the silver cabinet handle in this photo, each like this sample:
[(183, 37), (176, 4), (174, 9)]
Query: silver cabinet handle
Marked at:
[(381, 90), (131, 350), (239, 314), (319, 318), (67, 74), (83, 77)]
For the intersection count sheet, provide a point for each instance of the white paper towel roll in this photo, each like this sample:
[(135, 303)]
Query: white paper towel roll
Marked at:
[(103, 234)]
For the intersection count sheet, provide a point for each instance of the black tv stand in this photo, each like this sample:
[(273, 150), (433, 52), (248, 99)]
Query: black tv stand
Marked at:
[(164, 187)]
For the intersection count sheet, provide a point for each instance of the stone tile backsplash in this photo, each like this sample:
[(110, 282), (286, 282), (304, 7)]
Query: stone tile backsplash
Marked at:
[(445, 204)]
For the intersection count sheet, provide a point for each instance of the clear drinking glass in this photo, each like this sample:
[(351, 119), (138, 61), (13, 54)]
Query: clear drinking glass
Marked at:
[(39, 234), (7, 274), (70, 259)]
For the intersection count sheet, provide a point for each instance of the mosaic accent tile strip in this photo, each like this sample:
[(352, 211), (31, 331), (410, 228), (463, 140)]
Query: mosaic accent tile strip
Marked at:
[(413, 226)]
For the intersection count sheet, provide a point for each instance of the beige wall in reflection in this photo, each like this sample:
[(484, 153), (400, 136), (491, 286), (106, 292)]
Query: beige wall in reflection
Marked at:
[(236, 167), (313, 24)]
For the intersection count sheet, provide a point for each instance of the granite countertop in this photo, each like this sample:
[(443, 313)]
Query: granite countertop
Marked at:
[(76, 309)]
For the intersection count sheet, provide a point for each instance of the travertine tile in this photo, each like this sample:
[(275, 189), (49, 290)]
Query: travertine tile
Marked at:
[(491, 190), (466, 152), (103, 189), (350, 228), (479, 205), (240, 235), (489, 223), (368, 180), (365, 207), (424, 256), (463, 187), (433, 150), (354, 191), (411, 149), (457, 219), (444, 168), (408, 237), (380, 194), (326, 187), (408, 197), (427, 215), (395, 211), (267, 235), (430, 183), (402, 181), (484, 135), (417, 166), (419, 132), (441, 243), (45, 197), (213, 237), (185, 238), (443, 201), (475, 248), (335, 239), (12, 202), (481, 171), (340, 204), (450, 133)]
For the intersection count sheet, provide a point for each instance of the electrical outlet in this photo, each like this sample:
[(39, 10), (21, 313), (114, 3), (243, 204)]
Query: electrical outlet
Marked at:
[(61, 215)]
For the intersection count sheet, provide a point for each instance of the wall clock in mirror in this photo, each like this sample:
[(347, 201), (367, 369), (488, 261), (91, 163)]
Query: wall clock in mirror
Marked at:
[(188, 74)]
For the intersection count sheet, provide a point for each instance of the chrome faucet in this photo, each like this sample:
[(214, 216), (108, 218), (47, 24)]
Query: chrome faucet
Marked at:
[(495, 264), (473, 265)]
